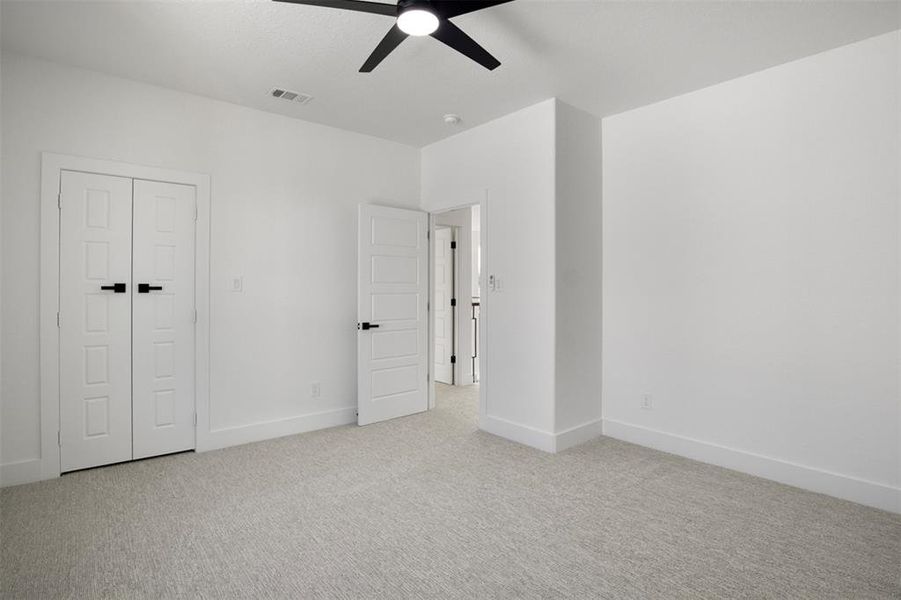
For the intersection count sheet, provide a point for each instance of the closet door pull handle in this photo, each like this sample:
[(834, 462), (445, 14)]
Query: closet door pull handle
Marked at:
[(144, 288), (118, 288)]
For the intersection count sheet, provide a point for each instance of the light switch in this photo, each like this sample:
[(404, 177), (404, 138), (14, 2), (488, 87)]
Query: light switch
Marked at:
[(237, 284)]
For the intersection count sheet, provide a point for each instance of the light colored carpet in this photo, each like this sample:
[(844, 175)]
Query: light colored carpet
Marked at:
[(429, 507)]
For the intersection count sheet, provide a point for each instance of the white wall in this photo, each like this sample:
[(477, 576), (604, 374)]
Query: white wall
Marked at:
[(578, 272), (511, 162), (284, 196), (751, 273)]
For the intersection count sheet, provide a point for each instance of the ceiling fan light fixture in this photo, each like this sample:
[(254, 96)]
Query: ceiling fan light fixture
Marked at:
[(417, 21), (418, 18)]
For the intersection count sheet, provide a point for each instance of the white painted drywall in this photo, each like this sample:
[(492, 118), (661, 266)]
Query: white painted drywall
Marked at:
[(578, 259), (511, 162), (751, 273), (284, 197)]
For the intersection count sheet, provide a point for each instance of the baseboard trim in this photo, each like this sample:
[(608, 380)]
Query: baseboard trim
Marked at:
[(257, 432), (578, 435), (870, 493), (24, 471), (518, 432), (536, 438)]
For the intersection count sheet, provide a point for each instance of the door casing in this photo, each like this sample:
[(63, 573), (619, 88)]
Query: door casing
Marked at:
[(51, 167)]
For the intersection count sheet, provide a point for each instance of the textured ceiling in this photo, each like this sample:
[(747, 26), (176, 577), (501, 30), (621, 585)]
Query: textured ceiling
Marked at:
[(603, 57)]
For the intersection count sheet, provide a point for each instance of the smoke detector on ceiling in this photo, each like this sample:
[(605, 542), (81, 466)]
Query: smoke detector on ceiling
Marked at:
[(452, 119), (288, 95)]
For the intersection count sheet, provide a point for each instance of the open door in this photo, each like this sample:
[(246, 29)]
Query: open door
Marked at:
[(444, 303), (392, 325)]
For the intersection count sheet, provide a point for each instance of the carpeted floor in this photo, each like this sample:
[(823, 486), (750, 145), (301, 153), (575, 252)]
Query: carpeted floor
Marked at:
[(429, 507)]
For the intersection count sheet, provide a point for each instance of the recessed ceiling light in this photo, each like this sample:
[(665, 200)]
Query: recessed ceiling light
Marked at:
[(452, 119)]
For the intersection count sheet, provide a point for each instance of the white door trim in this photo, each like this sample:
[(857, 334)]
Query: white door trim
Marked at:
[(51, 166), (478, 198)]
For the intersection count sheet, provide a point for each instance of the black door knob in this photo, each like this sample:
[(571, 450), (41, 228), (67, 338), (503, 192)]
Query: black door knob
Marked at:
[(118, 288), (144, 288)]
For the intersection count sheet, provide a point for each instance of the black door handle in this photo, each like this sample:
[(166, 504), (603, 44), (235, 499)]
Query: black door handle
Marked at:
[(365, 325), (144, 288), (118, 288)]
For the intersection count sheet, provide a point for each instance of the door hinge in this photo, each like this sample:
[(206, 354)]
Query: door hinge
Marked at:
[(453, 245), (59, 200), (59, 439), (453, 302), (453, 360), (195, 211), (195, 315), (57, 319), (195, 419), (428, 234)]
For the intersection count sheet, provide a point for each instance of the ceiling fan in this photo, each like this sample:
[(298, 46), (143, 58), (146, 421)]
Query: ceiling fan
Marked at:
[(419, 18)]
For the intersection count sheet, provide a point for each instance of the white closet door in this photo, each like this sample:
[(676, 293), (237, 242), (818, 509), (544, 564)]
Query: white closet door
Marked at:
[(444, 312), (95, 323), (163, 320)]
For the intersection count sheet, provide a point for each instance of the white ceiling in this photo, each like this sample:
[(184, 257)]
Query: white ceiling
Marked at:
[(603, 57)]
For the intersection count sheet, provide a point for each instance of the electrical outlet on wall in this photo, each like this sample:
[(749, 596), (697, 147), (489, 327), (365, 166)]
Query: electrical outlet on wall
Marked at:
[(647, 403), (315, 390)]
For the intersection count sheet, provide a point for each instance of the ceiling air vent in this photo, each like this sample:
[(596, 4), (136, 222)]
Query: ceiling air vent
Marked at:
[(290, 96)]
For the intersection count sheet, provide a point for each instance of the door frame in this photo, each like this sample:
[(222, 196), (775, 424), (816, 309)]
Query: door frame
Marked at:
[(480, 199), (51, 167)]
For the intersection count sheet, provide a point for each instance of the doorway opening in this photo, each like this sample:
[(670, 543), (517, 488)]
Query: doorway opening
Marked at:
[(456, 265), (396, 310)]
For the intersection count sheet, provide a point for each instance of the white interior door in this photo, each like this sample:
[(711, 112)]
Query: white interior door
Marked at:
[(94, 320), (444, 312), (392, 293), (163, 318)]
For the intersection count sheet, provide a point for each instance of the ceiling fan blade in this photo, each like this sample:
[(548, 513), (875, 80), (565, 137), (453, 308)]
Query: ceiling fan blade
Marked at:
[(378, 8), (455, 8), (391, 41), (454, 37)]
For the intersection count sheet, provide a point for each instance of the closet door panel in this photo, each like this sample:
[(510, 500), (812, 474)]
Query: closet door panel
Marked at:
[(163, 318), (95, 320)]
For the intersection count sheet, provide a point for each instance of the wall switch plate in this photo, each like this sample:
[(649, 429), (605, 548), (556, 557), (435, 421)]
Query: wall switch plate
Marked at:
[(237, 284), (647, 402), (315, 390)]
